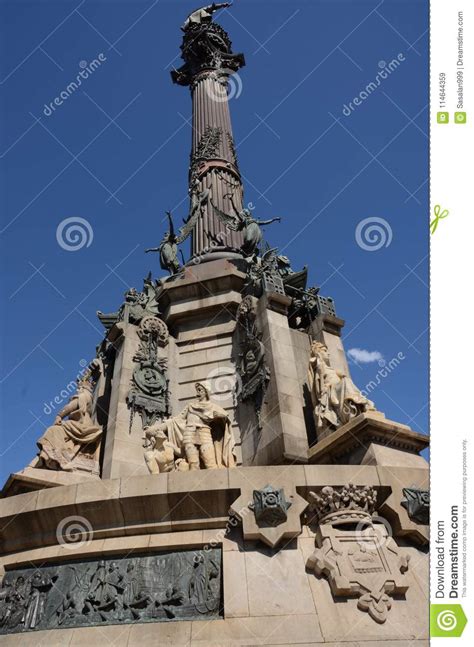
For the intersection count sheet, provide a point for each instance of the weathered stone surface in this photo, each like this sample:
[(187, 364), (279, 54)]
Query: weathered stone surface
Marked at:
[(290, 629), (277, 582), (235, 584), (399, 478)]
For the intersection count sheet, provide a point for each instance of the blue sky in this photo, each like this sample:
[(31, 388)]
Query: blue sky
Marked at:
[(301, 156)]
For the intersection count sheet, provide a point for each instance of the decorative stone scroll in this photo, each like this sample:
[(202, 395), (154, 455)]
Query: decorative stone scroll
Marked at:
[(252, 370), (148, 395), (355, 553), (184, 585)]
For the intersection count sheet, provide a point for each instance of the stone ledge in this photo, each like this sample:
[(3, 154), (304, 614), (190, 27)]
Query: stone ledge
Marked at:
[(360, 432), (164, 503)]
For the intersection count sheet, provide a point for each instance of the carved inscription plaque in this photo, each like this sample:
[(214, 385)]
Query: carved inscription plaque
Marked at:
[(160, 587)]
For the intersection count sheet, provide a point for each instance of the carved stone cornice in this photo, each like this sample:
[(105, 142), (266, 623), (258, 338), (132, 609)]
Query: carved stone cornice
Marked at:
[(359, 433)]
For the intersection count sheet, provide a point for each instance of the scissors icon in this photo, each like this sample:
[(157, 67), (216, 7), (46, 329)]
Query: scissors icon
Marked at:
[(438, 216)]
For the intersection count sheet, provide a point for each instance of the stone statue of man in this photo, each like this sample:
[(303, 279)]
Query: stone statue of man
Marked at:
[(203, 432)]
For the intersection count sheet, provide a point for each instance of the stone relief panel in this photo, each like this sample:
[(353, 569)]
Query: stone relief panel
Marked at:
[(355, 553), (184, 585)]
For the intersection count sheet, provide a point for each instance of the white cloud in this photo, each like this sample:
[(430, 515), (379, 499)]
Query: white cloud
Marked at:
[(364, 356)]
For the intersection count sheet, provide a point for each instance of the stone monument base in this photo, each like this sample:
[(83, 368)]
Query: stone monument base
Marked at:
[(269, 595)]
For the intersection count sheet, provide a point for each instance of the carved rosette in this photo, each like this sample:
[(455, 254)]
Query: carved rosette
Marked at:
[(354, 552), (270, 506), (148, 395)]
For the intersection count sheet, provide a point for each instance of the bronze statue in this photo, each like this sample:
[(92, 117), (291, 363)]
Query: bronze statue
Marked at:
[(244, 221), (168, 249), (204, 14)]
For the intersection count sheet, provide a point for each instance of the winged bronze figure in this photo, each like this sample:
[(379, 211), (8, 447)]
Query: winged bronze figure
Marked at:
[(168, 249), (244, 221)]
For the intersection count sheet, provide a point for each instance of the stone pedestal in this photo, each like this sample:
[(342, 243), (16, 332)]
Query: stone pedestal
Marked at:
[(371, 439), (283, 437), (269, 596)]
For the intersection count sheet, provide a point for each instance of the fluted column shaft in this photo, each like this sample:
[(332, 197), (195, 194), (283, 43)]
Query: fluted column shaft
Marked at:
[(213, 162)]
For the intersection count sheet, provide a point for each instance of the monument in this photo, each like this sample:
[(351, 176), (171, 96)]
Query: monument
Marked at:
[(218, 478)]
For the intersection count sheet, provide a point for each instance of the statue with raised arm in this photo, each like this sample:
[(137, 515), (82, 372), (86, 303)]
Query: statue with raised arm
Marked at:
[(204, 14), (202, 432), (168, 249), (66, 441), (336, 399), (244, 221)]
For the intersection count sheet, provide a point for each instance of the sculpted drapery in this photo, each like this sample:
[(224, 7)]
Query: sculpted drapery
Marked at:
[(336, 399), (201, 433), (67, 439)]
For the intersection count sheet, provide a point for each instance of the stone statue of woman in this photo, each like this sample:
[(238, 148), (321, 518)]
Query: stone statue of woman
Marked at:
[(336, 399), (66, 439)]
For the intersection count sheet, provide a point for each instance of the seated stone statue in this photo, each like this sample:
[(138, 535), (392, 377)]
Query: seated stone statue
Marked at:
[(67, 441), (201, 432), (160, 453), (335, 397)]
